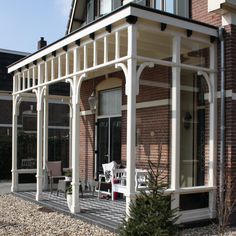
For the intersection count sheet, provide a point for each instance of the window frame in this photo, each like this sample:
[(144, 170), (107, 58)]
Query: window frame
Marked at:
[(176, 7), (99, 105)]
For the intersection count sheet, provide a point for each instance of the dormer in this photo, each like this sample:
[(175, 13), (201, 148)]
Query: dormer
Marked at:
[(86, 11)]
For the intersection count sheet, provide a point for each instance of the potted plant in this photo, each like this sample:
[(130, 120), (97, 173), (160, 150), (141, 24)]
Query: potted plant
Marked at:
[(68, 175), (69, 197)]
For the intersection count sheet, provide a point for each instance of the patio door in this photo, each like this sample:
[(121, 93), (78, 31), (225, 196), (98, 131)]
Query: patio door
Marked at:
[(108, 141)]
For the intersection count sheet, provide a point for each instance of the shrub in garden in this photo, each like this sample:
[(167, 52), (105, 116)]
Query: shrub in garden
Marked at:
[(151, 213)]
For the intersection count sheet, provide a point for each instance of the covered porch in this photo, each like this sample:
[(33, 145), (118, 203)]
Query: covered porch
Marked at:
[(165, 69)]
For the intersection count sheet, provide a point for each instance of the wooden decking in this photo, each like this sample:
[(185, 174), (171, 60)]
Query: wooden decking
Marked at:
[(105, 213)]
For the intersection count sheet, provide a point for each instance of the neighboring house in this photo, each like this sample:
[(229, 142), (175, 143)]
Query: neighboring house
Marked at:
[(145, 81), (58, 123), (6, 57)]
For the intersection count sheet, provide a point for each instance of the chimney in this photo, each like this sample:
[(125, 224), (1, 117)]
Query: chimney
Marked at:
[(42, 43)]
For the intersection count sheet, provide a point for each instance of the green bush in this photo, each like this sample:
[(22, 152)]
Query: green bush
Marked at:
[(151, 213)]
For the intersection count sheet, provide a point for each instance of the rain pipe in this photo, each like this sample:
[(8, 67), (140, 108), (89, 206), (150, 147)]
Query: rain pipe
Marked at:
[(222, 116)]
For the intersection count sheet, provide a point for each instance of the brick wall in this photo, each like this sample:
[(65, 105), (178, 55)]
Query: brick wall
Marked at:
[(87, 130), (200, 13), (153, 124), (230, 150)]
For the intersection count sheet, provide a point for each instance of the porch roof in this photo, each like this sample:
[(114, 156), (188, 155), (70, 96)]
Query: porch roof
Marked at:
[(119, 14)]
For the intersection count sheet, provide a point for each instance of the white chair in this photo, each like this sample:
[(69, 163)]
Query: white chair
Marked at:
[(119, 181), (107, 176)]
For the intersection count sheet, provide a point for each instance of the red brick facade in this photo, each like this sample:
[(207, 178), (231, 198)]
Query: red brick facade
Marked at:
[(153, 124), (200, 13)]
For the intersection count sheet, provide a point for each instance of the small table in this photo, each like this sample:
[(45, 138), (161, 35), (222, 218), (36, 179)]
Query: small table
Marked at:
[(64, 184)]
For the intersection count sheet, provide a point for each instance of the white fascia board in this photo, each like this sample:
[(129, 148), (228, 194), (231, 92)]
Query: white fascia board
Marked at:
[(153, 16), (72, 38), (72, 16)]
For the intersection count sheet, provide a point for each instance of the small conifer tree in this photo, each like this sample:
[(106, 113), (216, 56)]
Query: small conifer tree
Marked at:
[(151, 213)]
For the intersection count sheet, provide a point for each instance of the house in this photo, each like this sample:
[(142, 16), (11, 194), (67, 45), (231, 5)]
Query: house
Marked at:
[(148, 79), (58, 123), (6, 57)]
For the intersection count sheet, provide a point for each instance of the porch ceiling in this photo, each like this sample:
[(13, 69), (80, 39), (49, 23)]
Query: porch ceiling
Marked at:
[(114, 19)]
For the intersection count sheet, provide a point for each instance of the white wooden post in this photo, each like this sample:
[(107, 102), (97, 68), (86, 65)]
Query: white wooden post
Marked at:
[(70, 133), (46, 72), (131, 115), (76, 84), (52, 69), (39, 175), (67, 63), (95, 53), (213, 133), (19, 82), (14, 186), (175, 124), (117, 40), (28, 79), (15, 89), (75, 208), (105, 49), (33, 72), (85, 58), (59, 67), (45, 137), (23, 80)]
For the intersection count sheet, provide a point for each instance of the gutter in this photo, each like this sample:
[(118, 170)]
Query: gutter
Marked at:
[(222, 118)]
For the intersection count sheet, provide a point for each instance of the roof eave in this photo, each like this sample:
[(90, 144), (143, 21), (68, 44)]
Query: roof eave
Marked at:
[(71, 16), (115, 16)]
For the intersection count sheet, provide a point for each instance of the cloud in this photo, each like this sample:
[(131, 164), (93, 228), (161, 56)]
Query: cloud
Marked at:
[(63, 7)]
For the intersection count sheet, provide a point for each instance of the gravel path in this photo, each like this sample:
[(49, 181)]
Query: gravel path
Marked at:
[(19, 217), (23, 218)]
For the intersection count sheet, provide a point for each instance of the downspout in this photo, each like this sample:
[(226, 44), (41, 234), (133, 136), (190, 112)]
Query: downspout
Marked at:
[(222, 117)]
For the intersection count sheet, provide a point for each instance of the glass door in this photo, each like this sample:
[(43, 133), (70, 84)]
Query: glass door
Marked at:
[(108, 128), (102, 143), (108, 141), (115, 139)]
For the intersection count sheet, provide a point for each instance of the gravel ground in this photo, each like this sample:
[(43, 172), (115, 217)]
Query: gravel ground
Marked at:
[(206, 231), (20, 217)]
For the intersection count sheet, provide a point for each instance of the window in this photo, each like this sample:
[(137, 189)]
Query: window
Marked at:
[(141, 2), (90, 11), (194, 131), (169, 6), (106, 6), (110, 102), (178, 7)]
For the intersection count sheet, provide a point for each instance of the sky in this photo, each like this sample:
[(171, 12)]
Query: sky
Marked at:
[(23, 22)]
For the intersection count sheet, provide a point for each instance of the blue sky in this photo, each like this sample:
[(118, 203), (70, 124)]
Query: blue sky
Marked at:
[(23, 22)]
